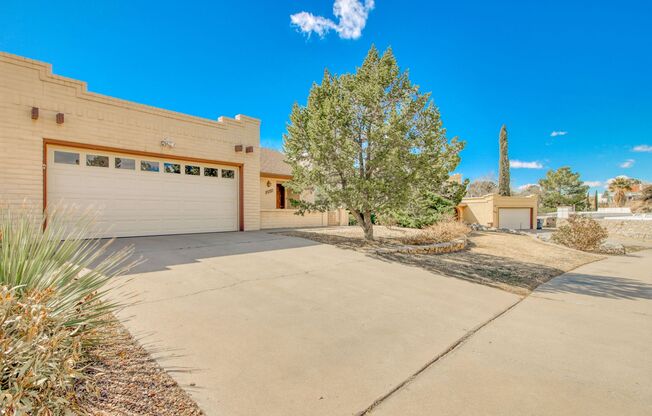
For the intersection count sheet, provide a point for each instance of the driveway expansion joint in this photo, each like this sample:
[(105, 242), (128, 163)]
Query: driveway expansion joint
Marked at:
[(454, 346)]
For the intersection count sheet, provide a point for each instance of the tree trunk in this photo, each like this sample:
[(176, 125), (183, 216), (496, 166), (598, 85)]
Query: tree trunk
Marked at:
[(364, 220)]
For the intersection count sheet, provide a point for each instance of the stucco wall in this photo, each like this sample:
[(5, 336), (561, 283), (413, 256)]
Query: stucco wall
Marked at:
[(286, 218), (100, 120)]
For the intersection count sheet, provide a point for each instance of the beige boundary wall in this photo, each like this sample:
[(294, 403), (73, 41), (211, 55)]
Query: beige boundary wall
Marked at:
[(484, 210), (287, 218), (96, 120)]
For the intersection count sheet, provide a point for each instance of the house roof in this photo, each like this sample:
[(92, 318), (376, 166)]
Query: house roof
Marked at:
[(273, 162)]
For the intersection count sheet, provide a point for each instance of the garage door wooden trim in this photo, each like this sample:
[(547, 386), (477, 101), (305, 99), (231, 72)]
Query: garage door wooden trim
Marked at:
[(86, 146)]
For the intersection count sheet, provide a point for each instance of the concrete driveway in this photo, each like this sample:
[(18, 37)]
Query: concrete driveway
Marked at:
[(263, 324)]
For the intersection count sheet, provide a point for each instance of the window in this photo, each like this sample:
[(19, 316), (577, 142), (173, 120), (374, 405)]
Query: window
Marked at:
[(172, 168), (228, 173), (97, 161), (148, 166), (192, 170), (66, 158), (122, 163), (211, 172)]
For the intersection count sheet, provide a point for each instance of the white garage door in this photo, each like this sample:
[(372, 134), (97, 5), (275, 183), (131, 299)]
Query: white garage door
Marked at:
[(514, 218), (135, 196)]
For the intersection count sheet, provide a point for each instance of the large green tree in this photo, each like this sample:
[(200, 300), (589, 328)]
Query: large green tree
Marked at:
[(503, 164), (563, 187), (368, 141)]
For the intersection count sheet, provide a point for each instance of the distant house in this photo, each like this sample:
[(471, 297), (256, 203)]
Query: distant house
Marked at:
[(493, 210)]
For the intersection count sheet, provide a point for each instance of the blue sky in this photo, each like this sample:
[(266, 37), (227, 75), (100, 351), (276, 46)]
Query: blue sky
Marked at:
[(580, 67)]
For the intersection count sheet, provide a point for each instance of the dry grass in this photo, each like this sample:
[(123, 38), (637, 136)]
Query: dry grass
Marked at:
[(440, 232), (515, 263), (127, 381)]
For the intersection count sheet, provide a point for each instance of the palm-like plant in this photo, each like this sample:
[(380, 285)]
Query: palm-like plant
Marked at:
[(619, 186)]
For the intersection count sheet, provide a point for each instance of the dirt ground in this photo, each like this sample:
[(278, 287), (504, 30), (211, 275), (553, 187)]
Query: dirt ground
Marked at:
[(127, 381), (516, 263)]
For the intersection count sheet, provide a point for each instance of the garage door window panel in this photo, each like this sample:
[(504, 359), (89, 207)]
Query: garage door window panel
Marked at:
[(98, 161), (172, 168), (125, 163), (66, 158), (228, 173), (192, 170), (149, 166), (212, 172)]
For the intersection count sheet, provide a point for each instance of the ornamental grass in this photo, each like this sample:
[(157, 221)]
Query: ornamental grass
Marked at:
[(53, 307)]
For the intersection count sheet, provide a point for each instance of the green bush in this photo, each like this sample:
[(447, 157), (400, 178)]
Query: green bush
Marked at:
[(580, 233), (52, 287), (422, 212)]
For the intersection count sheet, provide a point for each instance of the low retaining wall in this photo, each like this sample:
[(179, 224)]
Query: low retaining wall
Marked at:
[(439, 248), (639, 229)]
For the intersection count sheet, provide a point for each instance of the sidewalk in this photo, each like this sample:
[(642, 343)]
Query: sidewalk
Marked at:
[(579, 345)]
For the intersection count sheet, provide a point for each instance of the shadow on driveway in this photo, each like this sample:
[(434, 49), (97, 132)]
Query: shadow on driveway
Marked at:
[(610, 287), (163, 252)]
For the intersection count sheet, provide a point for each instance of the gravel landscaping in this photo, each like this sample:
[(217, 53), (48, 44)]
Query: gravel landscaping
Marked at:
[(127, 381), (516, 263)]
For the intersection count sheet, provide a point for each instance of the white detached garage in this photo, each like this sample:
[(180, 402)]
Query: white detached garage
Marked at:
[(139, 195)]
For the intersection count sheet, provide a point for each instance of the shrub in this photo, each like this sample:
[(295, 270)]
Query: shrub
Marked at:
[(442, 231), (581, 233), (52, 287), (429, 209)]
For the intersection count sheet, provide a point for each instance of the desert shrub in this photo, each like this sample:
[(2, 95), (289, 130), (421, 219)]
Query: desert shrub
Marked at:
[(581, 233), (52, 287), (426, 210), (443, 231)]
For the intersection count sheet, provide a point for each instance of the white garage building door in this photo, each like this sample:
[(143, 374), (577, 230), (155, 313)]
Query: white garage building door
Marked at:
[(514, 218), (138, 196)]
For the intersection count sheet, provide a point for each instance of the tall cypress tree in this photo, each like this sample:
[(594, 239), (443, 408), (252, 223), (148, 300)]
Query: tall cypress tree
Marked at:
[(503, 164), (595, 200)]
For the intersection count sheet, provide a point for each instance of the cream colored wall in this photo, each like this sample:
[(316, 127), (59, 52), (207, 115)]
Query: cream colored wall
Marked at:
[(484, 210), (478, 210), (286, 218), (267, 193), (100, 120)]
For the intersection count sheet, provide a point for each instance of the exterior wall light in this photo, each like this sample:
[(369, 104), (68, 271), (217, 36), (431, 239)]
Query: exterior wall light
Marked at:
[(249, 149), (34, 113), (168, 143), (59, 118), (238, 148)]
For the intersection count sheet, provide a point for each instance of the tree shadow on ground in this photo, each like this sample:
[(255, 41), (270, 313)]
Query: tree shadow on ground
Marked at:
[(610, 287), (503, 272)]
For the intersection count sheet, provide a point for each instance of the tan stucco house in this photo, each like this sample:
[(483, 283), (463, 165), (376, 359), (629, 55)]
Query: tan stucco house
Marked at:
[(493, 210), (147, 171)]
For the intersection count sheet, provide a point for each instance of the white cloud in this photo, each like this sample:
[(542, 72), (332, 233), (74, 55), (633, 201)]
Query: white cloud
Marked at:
[(352, 15), (517, 164), (642, 148), (558, 133), (627, 164), (592, 184), (527, 185)]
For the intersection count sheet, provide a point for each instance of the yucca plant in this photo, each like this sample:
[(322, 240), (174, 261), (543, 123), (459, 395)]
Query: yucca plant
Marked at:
[(53, 306)]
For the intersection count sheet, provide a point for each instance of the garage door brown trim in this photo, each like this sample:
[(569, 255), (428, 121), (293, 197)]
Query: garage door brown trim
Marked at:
[(86, 146)]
